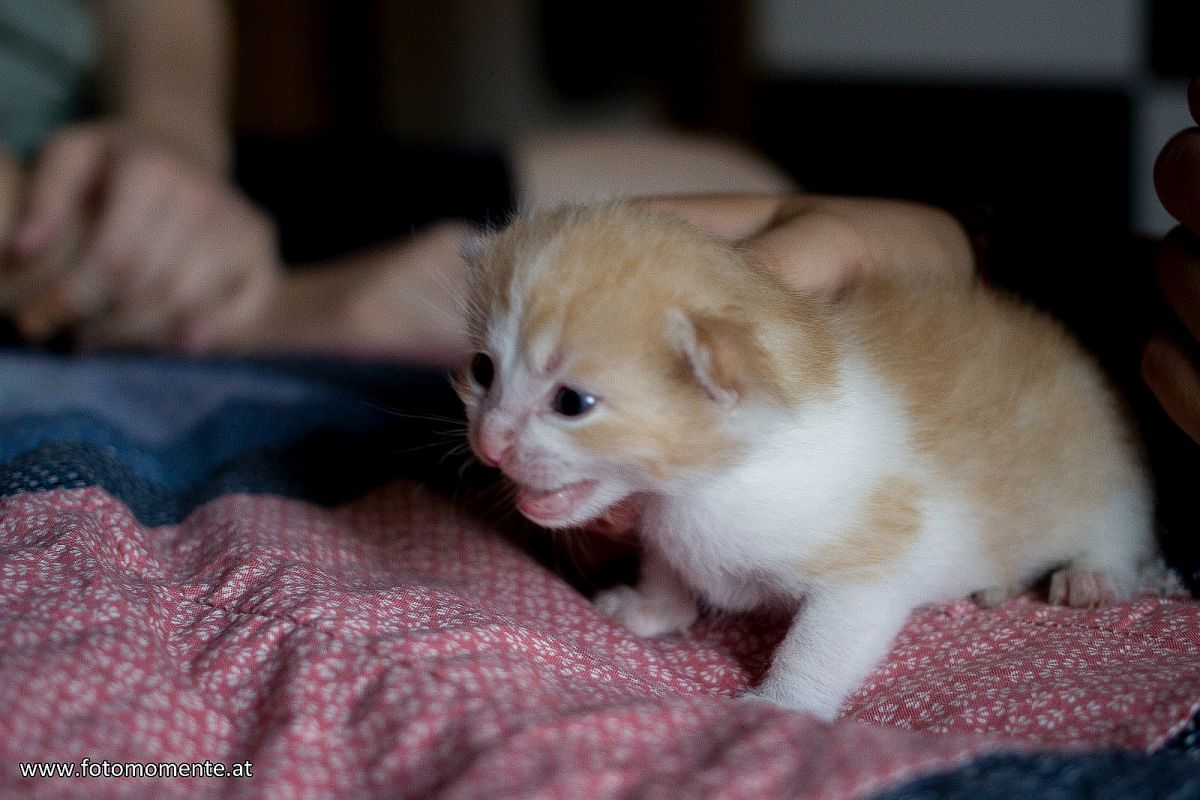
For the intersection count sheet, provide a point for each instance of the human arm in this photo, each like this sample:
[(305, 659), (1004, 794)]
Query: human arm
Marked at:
[(165, 72), (401, 302), (405, 301)]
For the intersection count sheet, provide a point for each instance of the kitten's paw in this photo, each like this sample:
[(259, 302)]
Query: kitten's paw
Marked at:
[(792, 695), (645, 616), (1080, 586), (752, 696), (995, 595)]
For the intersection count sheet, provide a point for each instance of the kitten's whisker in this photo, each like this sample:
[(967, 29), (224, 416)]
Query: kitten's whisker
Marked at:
[(459, 451), (441, 446), (470, 461), (394, 411)]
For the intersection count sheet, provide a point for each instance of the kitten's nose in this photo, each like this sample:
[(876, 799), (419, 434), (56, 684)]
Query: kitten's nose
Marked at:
[(494, 446)]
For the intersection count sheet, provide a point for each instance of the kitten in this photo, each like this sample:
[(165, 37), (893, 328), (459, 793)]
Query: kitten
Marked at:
[(897, 446)]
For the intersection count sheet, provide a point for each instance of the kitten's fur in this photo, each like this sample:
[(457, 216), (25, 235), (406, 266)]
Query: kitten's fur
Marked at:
[(900, 445)]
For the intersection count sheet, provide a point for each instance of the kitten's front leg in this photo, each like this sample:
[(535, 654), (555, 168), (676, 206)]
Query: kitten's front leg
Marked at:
[(661, 602), (837, 638)]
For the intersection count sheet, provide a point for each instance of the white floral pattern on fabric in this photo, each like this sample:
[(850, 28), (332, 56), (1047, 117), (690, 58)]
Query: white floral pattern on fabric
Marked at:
[(396, 647)]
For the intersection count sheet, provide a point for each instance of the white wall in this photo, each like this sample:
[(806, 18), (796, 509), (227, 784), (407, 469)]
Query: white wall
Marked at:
[(1096, 43)]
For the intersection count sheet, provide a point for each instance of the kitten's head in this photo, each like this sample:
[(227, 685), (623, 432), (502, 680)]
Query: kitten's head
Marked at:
[(614, 350)]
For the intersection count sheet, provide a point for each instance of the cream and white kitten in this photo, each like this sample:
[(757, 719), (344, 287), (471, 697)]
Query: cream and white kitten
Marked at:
[(852, 458)]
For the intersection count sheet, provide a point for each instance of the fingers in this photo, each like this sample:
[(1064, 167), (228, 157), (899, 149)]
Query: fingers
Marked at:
[(44, 244), (1168, 368), (42, 291), (141, 194), (1174, 378), (212, 286), (229, 290), (63, 177), (124, 243), (819, 251), (1178, 271), (39, 291), (152, 247), (62, 305), (251, 265), (823, 243), (234, 322), (111, 262), (169, 228), (793, 236)]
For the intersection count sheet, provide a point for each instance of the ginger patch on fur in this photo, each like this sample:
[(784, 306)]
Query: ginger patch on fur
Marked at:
[(887, 526)]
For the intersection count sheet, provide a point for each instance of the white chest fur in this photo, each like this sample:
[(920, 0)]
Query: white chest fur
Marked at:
[(738, 535)]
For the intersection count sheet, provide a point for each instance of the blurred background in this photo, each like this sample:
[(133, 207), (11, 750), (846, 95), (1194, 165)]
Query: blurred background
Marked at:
[(1049, 111), (1046, 113)]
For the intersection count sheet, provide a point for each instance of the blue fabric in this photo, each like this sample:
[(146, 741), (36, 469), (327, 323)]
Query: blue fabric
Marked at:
[(151, 399), (1098, 776), (163, 435), (170, 423)]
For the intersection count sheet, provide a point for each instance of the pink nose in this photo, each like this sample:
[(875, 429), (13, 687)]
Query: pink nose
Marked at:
[(494, 446)]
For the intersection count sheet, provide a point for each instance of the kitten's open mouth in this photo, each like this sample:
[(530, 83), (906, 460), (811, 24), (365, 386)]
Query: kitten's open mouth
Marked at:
[(547, 506)]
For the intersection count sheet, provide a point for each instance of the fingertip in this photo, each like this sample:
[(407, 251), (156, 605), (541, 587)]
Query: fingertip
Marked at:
[(1193, 96), (1176, 173), (1177, 272), (1174, 379)]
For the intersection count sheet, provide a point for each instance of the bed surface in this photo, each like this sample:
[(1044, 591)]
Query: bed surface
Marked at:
[(247, 561)]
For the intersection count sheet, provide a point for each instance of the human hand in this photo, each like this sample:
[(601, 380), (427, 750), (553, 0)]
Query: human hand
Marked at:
[(124, 242), (824, 243), (1169, 366), (19, 280)]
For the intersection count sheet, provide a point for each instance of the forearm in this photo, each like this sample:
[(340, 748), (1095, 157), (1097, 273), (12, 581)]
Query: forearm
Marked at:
[(405, 301), (165, 71), (401, 302), (316, 309)]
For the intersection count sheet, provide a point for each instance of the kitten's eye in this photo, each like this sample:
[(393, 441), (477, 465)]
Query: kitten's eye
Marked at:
[(483, 372), (571, 403)]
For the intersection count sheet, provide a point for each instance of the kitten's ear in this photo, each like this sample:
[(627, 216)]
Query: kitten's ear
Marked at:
[(724, 355)]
